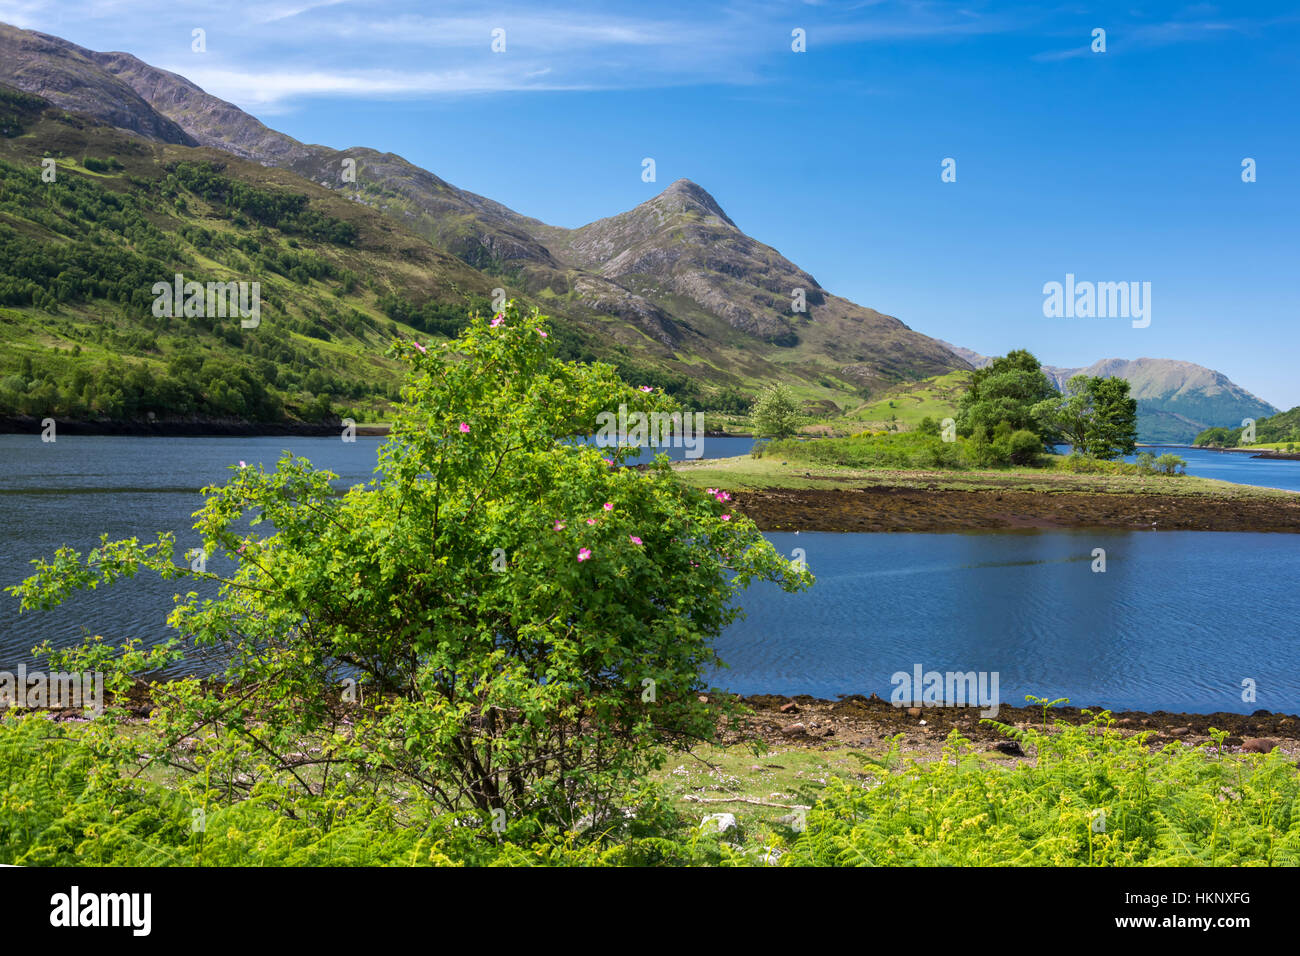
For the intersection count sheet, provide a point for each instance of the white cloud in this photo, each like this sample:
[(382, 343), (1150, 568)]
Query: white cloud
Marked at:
[(374, 48), (28, 14), (260, 89), (276, 12)]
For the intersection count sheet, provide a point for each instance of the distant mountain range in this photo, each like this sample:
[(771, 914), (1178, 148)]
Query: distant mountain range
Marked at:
[(673, 284), (1176, 400)]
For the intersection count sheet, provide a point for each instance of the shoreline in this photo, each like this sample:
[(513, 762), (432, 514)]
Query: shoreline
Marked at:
[(171, 428), (209, 428), (856, 721), (789, 495), (888, 508), (782, 707)]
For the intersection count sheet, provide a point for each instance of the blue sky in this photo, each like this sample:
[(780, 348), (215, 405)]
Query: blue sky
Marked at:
[(1115, 166)]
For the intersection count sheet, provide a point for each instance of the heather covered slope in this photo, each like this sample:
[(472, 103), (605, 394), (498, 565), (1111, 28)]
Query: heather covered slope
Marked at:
[(79, 258), (681, 250), (71, 77), (691, 298)]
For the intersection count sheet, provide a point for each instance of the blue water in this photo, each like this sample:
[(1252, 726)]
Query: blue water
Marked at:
[(75, 489), (1176, 622), (1234, 466)]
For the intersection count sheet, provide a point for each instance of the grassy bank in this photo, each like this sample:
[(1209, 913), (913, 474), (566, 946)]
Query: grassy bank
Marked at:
[(1082, 795), (746, 473)]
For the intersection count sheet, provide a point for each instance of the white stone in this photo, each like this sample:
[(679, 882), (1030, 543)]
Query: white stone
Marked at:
[(724, 821)]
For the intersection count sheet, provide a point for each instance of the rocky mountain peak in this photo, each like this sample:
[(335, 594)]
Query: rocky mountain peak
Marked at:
[(69, 77), (686, 196), (679, 276)]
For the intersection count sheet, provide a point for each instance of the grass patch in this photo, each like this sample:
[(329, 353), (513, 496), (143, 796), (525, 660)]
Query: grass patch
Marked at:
[(905, 406), (773, 473)]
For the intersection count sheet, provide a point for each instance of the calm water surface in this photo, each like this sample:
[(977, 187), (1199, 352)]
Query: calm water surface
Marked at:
[(1176, 622)]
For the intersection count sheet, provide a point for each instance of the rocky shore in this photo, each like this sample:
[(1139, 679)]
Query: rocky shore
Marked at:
[(870, 722), (945, 510), (1278, 455)]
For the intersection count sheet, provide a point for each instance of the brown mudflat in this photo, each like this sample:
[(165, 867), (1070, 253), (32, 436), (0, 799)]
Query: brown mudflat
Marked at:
[(858, 721), (936, 509)]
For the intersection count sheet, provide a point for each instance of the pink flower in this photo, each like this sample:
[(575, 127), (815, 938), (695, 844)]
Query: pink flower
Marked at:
[(591, 521), (726, 517), (497, 321), (421, 347), (722, 496), (584, 554), (711, 491), (242, 463), (464, 428), (646, 388), (240, 550), (635, 539), (541, 333), (609, 506), (559, 526)]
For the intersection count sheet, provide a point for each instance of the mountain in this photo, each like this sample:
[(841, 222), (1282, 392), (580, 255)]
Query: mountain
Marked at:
[(969, 356), (672, 290), (681, 251), (1176, 400), (70, 77), (79, 258)]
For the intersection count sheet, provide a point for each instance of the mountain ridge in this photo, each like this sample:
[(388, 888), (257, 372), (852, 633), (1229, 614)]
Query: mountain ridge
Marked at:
[(687, 290), (1177, 399)]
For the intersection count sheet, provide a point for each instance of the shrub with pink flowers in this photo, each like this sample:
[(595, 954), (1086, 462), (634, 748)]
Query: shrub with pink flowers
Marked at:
[(480, 690)]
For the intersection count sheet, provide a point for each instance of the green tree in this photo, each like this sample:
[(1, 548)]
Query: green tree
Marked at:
[(1112, 428), (529, 624), (1024, 447), (1005, 392), (775, 413), (1170, 464), (1096, 416), (1067, 416)]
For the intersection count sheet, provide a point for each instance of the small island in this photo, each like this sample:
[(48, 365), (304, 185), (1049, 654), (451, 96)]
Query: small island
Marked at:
[(991, 463)]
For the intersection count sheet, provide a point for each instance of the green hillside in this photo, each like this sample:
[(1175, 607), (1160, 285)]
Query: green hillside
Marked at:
[(904, 406), (79, 258), (1279, 429)]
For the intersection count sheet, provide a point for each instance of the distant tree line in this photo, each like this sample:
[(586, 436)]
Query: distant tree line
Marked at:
[(1012, 412), (1283, 427), (447, 319), (192, 385), (287, 212)]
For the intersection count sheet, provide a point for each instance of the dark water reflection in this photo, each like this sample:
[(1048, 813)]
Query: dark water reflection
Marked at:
[(1176, 622)]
